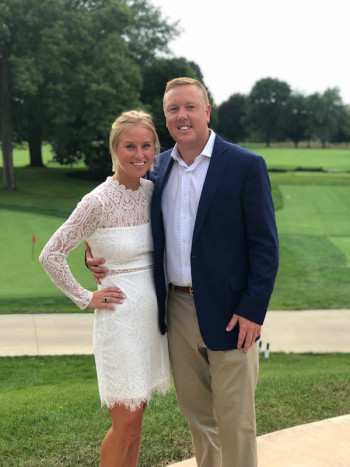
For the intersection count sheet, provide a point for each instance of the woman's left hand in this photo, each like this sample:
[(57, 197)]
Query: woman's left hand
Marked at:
[(104, 298)]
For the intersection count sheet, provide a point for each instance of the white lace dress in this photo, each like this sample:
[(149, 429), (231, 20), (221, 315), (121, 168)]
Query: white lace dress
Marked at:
[(130, 352)]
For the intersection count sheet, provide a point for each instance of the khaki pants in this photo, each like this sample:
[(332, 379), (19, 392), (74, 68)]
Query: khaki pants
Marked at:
[(215, 390)]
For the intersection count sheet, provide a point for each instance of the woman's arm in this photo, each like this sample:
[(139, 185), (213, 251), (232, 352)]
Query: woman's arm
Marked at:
[(81, 224)]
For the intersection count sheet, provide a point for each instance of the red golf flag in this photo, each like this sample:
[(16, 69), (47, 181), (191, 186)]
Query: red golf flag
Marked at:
[(34, 239)]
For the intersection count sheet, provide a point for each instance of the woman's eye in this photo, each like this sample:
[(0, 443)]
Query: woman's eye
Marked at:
[(130, 146)]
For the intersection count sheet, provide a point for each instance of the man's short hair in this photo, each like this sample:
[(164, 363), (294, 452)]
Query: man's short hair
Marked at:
[(185, 81)]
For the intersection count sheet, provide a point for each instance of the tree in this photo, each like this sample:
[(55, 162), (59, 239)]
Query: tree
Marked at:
[(6, 107), (342, 133), (265, 104), (36, 67), (69, 67), (22, 23), (121, 58), (294, 118), (325, 112), (10, 25), (104, 82), (148, 34), (232, 118), (25, 28)]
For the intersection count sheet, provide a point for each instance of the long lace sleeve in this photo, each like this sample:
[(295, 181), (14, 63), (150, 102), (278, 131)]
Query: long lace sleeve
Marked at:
[(83, 221)]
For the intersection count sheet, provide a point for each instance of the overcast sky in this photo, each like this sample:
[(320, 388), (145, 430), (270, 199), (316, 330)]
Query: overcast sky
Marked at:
[(237, 42)]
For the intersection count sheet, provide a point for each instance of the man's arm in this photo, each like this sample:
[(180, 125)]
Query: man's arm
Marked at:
[(94, 265), (263, 255)]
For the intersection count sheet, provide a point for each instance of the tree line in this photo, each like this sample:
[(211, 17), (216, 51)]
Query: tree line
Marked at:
[(273, 112), (69, 67)]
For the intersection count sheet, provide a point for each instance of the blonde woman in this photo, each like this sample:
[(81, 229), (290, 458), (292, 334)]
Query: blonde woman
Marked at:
[(130, 352)]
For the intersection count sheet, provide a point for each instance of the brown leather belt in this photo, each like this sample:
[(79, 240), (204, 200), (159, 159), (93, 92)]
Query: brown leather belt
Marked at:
[(184, 288)]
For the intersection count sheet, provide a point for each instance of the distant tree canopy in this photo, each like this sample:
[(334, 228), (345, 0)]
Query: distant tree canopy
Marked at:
[(232, 118), (273, 112), (295, 118), (265, 104), (326, 112), (69, 67)]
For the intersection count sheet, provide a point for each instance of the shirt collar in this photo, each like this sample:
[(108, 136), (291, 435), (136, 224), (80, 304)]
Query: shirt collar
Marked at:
[(207, 150)]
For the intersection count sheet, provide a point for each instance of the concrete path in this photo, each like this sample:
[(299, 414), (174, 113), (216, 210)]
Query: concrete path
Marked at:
[(320, 444), (46, 334), (316, 331), (285, 331)]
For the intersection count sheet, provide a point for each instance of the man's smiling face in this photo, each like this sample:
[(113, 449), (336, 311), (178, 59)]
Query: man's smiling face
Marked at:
[(187, 117)]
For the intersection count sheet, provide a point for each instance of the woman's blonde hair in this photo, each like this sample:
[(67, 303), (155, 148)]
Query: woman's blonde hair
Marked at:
[(128, 120)]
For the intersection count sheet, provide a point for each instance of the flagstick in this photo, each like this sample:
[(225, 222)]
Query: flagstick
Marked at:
[(33, 247)]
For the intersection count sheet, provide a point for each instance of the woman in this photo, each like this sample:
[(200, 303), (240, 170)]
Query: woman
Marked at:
[(130, 352)]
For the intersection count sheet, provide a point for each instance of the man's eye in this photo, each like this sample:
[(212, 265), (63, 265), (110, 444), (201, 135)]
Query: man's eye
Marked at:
[(190, 107), (172, 109)]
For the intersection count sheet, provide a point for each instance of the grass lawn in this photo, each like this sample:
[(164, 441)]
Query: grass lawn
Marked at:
[(288, 158), (54, 192), (312, 211), (21, 157), (20, 266), (51, 414), (49, 406), (314, 230), (44, 199)]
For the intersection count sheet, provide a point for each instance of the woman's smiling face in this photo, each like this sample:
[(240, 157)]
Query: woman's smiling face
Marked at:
[(134, 153)]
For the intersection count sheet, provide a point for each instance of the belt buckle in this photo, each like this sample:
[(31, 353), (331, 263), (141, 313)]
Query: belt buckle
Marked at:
[(191, 290)]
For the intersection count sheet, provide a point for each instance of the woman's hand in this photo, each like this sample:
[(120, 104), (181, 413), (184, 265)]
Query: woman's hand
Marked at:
[(105, 298)]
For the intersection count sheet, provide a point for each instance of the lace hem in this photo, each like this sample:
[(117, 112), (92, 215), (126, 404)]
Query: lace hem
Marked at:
[(137, 402)]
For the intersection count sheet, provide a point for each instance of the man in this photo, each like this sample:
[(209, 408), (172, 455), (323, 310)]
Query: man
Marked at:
[(215, 262)]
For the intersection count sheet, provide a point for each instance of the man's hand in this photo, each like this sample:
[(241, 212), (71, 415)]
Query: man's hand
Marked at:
[(94, 265), (248, 331), (105, 298)]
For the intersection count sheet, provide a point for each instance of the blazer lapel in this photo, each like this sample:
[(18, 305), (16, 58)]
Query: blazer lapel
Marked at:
[(212, 181), (163, 174)]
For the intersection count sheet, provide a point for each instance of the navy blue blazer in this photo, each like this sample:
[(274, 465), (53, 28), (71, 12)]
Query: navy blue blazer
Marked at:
[(234, 256)]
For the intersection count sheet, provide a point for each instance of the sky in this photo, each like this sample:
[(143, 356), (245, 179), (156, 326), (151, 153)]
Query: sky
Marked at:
[(238, 42)]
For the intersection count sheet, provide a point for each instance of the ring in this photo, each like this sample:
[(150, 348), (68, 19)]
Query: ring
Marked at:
[(106, 299)]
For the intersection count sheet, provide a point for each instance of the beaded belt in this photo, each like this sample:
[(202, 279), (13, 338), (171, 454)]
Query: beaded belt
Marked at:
[(126, 271)]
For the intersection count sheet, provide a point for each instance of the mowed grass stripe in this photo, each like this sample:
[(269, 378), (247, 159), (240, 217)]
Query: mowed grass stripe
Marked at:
[(343, 243), (313, 274), (54, 192), (314, 209), (291, 158), (24, 276)]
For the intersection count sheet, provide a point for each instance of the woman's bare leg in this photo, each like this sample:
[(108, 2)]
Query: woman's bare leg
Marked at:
[(121, 445)]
